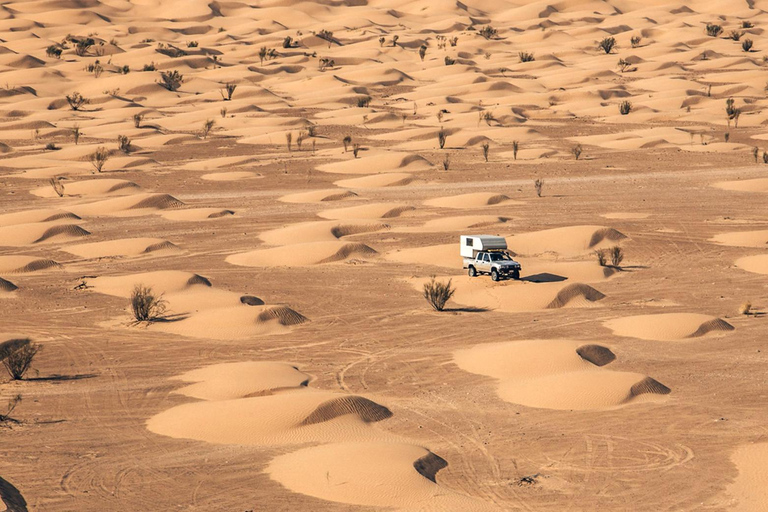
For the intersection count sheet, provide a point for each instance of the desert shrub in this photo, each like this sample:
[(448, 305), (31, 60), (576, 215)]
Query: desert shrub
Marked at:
[(625, 107), (765, 157), (51, 146), (526, 57), (288, 140), (326, 63), (192, 44), (137, 119), (54, 51), (746, 24), (355, 150), (76, 134), (57, 186), (617, 255), (124, 143), (576, 151), (538, 185), (515, 148), (12, 403), (727, 136), (449, 61), (223, 112), (438, 293), (635, 41), (422, 51), (382, 40), (96, 68), (288, 42), (714, 30), (124, 70), (346, 141), (171, 80), (263, 51), (363, 101), (453, 41), (170, 50), (83, 45), (446, 162), (755, 153), (601, 257), (441, 138), (228, 91), (746, 45), (327, 35), (145, 305), (735, 35), (149, 67), (76, 100), (300, 139), (486, 150), (98, 158), (488, 32), (394, 40), (311, 130), (18, 360), (623, 65), (607, 44), (745, 308)]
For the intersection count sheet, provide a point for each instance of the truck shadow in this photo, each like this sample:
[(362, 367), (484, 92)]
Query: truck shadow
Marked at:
[(544, 277)]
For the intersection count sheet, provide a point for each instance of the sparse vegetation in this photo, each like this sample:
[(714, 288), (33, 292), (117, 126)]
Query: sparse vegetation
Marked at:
[(746, 24), (735, 35), (446, 162), (714, 30), (192, 44), (453, 41), (137, 119), (422, 51), (223, 112), (76, 133), (355, 150), (438, 293), (526, 57), (755, 153), (82, 45), (124, 143), (18, 361), (288, 42), (146, 306), (363, 101), (326, 35), (617, 256), (57, 186), (288, 140), (625, 107), (515, 148), (76, 100), (539, 186), (12, 403), (576, 151), (149, 67), (449, 61), (171, 80), (765, 157), (98, 158), (326, 63), (382, 40), (624, 65), (347, 140), (228, 91), (394, 40), (635, 41), (746, 45), (488, 32), (441, 138), (54, 51), (486, 150), (607, 44), (727, 136), (745, 308), (51, 146), (601, 257), (207, 127)]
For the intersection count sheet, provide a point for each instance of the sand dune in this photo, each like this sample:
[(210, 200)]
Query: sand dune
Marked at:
[(753, 185), (36, 216), (298, 255), (757, 263), (742, 238), (124, 247), (567, 241), (229, 176), (197, 214), (395, 179), (558, 374), (668, 326), (6, 287), (379, 163), (460, 223), (473, 200), (25, 264), (321, 231), (100, 187), (367, 211), (136, 204), (751, 486), (374, 474), (318, 196), (21, 235)]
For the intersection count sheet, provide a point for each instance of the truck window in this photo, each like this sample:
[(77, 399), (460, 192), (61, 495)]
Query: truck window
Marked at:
[(469, 242), (486, 258)]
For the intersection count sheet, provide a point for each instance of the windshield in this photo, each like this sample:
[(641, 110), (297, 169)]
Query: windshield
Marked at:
[(497, 256)]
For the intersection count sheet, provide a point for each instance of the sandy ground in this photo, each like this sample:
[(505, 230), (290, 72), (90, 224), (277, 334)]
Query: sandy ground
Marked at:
[(298, 366)]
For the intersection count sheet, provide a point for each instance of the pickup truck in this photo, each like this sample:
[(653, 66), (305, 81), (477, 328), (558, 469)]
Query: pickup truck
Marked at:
[(496, 263)]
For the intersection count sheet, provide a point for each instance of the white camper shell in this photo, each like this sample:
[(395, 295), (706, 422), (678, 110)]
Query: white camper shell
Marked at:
[(472, 244)]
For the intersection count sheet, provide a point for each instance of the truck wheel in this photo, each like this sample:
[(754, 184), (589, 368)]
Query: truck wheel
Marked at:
[(472, 272), (494, 275), (515, 274)]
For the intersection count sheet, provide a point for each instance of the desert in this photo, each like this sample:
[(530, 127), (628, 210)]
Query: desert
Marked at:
[(232, 278)]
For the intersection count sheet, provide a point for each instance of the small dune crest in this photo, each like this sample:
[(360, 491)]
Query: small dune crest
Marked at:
[(318, 196), (63, 231), (566, 241), (36, 216), (229, 381), (197, 214), (367, 211), (385, 162), (575, 294), (472, 200), (596, 354), (7, 286), (283, 315), (648, 386), (26, 264), (394, 179), (299, 255), (135, 204), (669, 326), (319, 231), (20, 235), (367, 410), (90, 188), (122, 248), (429, 465)]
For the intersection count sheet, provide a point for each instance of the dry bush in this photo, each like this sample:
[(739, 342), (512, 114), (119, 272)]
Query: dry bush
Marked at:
[(625, 107), (146, 306), (486, 150), (617, 255), (746, 24), (19, 359), (488, 32), (149, 67), (422, 51), (624, 65), (223, 112), (76, 100), (54, 51), (137, 119), (635, 41), (355, 149), (438, 293), (382, 40), (326, 35), (755, 153), (57, 186), (449, 61), (364, 101), (12, 403), (171, 80), (300, 139), (765, 157), (326, 63), (192, 44), (51, 146), (526, 57), (76, 133), (577, 151), (714, 30), (288, 139), (98, 158), (124, 143), (228, 91), (441, 138), (601, 257), (288, 42), (746, 45), (394, 40), (515, 148), (83, 45), (347, 140), (607, 44), (538, 185), (207, 127), (446, 162), (735, 35), (745, 308)]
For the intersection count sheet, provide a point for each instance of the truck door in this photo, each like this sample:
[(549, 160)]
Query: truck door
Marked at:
[(484, 265)]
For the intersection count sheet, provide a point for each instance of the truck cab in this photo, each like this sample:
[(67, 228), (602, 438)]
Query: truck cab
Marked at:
[(485, 254)]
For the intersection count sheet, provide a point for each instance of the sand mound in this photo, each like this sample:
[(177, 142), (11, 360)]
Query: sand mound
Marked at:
[(473, 200), (283, 315), (229, 176), (320, 231), (228, 381), (379, 163), (459, 223), (318, 196), (757, 264), (161, 281), (123, 247), (365, 409), (567, 241), (371, 474), (754, 185), (668, 326), (20, 235), (742, 238), (25, 264), (558, 374), (35, 216), (573, 293), (395, 179), (751, 486), (197, 214), (7, 286), (98, 187), (367, 211), (302, 254), (250, 300), (135, 204)]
